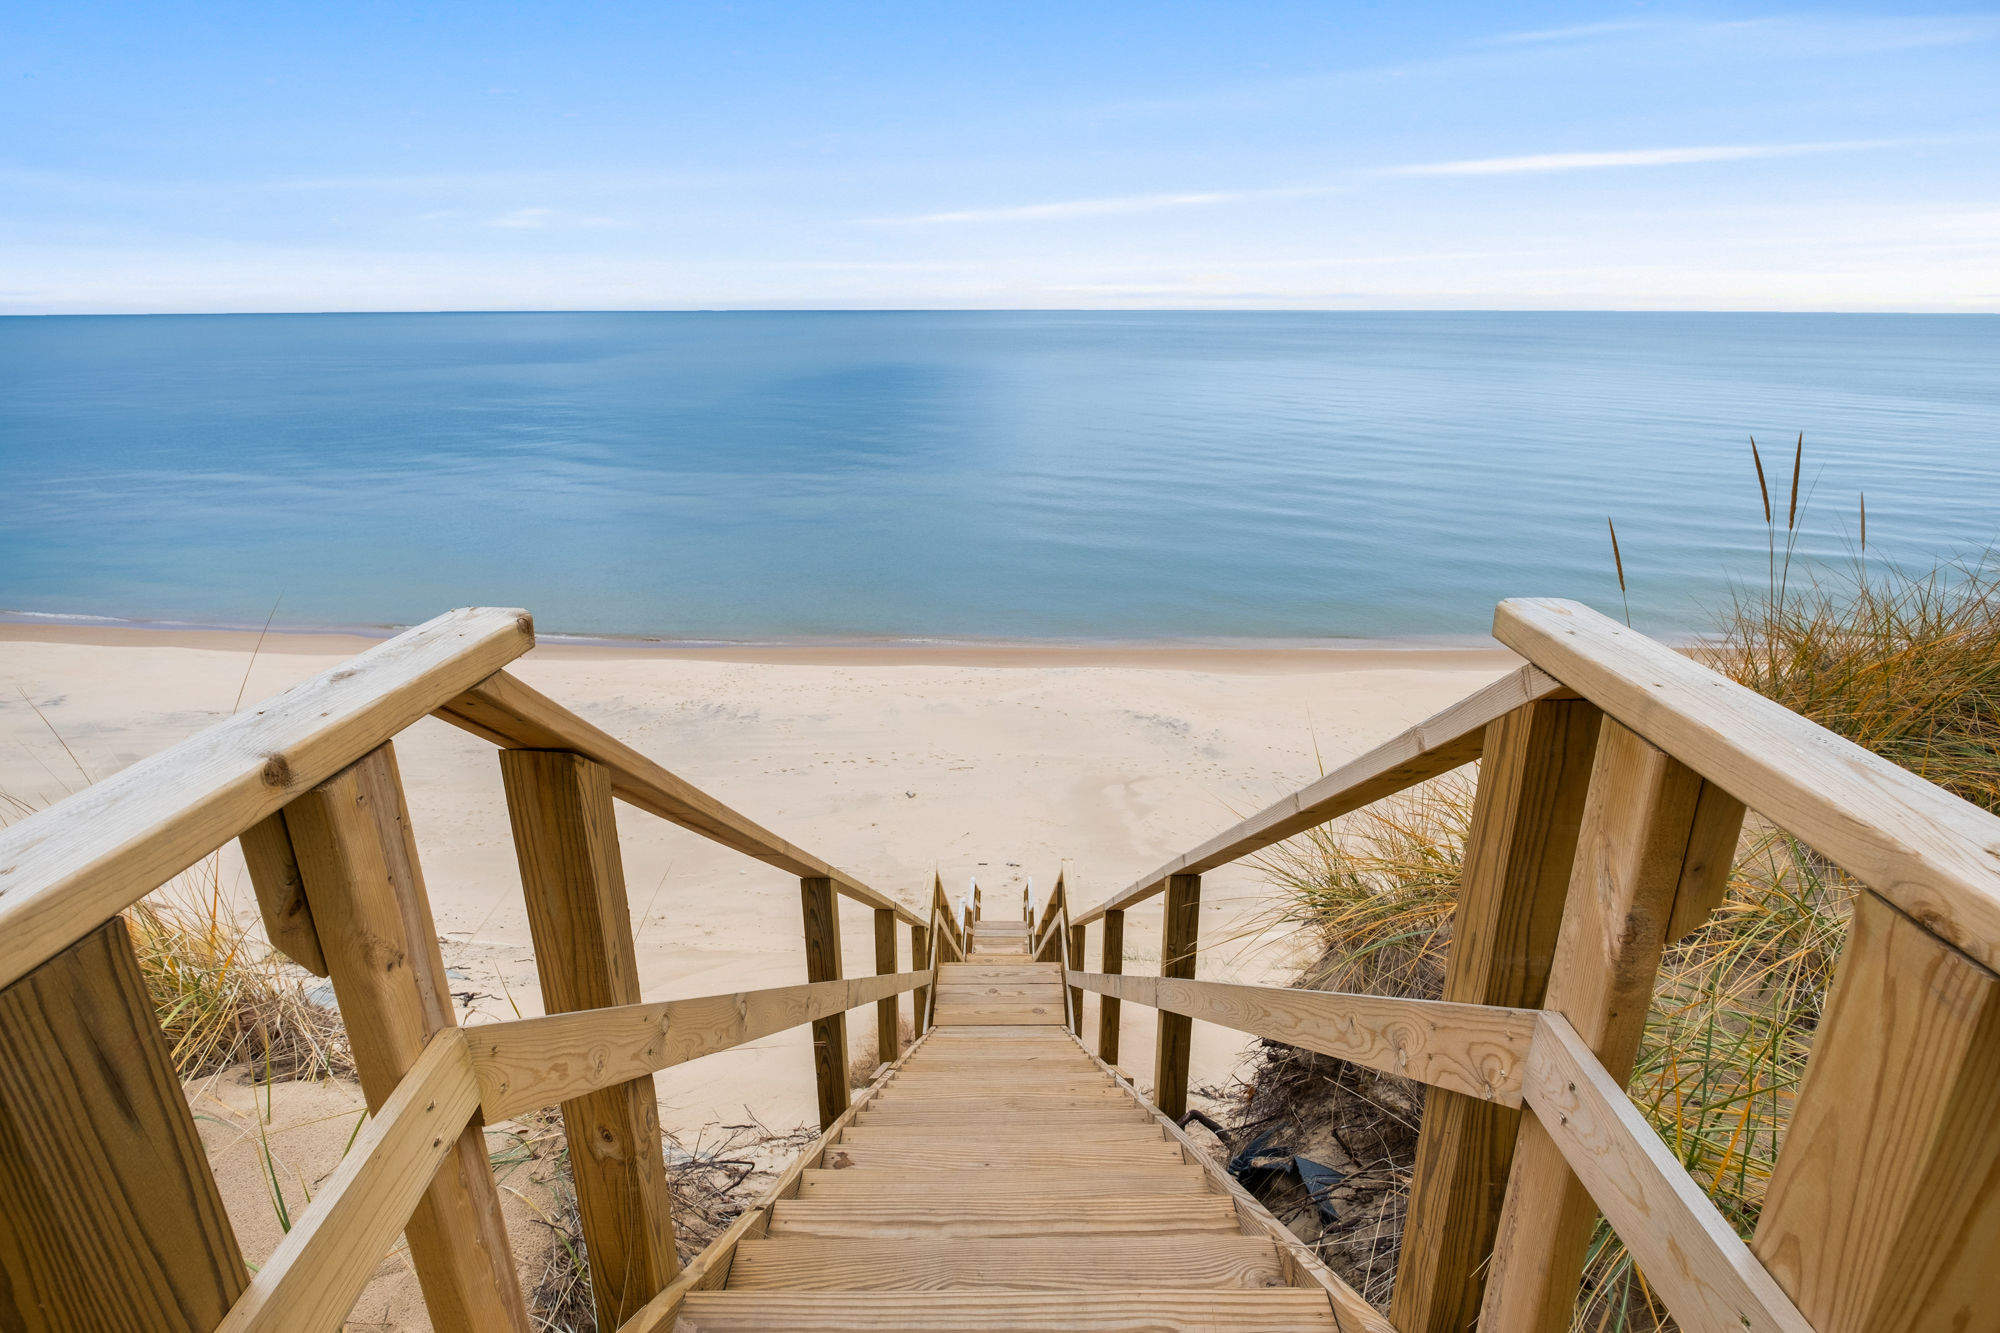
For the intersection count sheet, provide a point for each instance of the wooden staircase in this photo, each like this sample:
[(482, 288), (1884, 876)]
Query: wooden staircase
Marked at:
[(1002, 1178)]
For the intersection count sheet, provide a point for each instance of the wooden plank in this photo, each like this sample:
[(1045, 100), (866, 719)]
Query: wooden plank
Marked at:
[(1151, 1263), (963, 1157), (1637, 821), (1705, 866), (566, 842), (535, 1062), (1691, 1257), (109, 1218), (357, 859), (1173, 1040), (281, 898), (974, 1312), (1074, 959), (999, 1014), (1109, 1007), (66, 870), (510, 713), (1474, 1049), (920, 958), (1533, 778), (1049, 1183), (310, 1283), (822, 925), (888, 1032), (1935, 857), (985, 1219), (1446, 741), (1884, 1211)]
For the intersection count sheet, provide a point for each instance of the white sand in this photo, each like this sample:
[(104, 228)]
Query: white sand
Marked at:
[(885, 762)]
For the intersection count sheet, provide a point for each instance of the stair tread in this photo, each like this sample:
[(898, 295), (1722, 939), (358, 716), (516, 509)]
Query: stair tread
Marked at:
[(1137, 1311), (814, 1263)]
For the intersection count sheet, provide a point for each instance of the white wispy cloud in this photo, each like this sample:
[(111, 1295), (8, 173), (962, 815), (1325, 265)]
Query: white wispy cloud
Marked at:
[(1076, 208), (1633, 157)]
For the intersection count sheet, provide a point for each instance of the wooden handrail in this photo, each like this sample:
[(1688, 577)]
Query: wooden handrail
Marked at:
[(507, 711), (1934, 856), (1446, 741), (1475, 1049), (66, 870), (535, 1062)]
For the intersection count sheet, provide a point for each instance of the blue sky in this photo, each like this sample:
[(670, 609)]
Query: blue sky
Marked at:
[(369, 157)]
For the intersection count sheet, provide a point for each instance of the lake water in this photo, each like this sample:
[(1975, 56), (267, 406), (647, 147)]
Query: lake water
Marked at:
[(1071, 475)]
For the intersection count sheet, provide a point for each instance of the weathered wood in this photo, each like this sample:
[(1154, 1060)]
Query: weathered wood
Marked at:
[(1477, 1050), (1132, 1263), (535, 1062), (310, 1283), (281, 898), (1533, 777), (822, 922), (573, 879), (1710, 856), (1637, 821), (1450, 739), (510, 713), (109, 1218), (888, 1021), (357, 859), (1690, 1255), (1883, 1215), (66, 870), (1173, 1042), (1935, 857), (920, 959), (1025, 1312), (1112, 961), (1074, 959)]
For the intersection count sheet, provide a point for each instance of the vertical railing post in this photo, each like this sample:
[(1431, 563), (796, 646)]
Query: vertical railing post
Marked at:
[(1075, 961), (357, 859), (109, 1218), (920, 958), (1519, 852), (1638, 821), (822, 921), (1112, 960), (573, 878), (1174, 1041), (888, 1021), (1883, 1215)]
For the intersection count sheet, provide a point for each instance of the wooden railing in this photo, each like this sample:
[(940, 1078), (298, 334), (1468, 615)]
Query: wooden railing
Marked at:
[(1614, 778), (109, 1216)]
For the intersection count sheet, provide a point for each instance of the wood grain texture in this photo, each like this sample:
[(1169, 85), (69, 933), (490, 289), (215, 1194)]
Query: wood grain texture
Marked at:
[(963, 1221), (1110, 1010), (1477, 1050), (357, 859), (888, 1030), (1690, 1255), (281, 897), (1884, 1211), (1173, 1039), (1936, 857), (310, 1283), (573, 879), (510, 713), (920, 960), (1051, 1183), (535, 1062), (109, 1218), (822, 926), (1637, 821), (66, 870), (1705, 866), (962, 1312), (1446, 741), (1073, 1263), (1073, 958), (1533, 779)]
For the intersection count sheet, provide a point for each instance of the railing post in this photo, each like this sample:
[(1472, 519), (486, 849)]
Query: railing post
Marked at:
[(888, 1028), (1883, 1215), (357, 859), (566, 841), (920, 958), (822, 921), (1075, 960), (1638, 821), (1533, 778), (1180, 924), (1113, 960), (109, 1218)]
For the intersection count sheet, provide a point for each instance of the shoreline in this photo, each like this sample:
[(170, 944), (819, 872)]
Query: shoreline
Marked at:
[(1168, 654)]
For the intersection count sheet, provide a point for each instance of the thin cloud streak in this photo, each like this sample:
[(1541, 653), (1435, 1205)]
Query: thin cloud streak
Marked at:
[(1637, 157), (1071, 208)]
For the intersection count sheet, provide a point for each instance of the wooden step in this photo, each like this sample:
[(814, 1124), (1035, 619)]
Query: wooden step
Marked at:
[(1038, 1182), (1177, 1262), (979, 1015), (1092, 1157), (1138, 1311), (1054, 1120), (974, 992), (1003, 1137), (978, 1218)]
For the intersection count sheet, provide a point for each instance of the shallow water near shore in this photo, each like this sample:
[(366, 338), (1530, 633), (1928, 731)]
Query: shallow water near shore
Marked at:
[(993, 475)]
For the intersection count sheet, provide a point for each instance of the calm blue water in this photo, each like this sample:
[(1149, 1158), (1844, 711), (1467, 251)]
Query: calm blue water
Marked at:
[(985, 474)]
